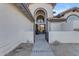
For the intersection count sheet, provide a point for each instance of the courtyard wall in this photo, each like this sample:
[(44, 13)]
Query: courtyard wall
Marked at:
[(15, 28)]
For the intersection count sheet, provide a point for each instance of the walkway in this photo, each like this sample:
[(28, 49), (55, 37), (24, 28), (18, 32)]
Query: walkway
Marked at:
[(41, 47)]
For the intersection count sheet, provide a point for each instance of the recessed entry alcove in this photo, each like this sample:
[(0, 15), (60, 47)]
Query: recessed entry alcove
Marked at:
[(40, 20), (41, 23)]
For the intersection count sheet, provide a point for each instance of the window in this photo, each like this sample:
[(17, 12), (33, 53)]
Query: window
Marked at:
[(40, 19), (72, 21), (72, 18)]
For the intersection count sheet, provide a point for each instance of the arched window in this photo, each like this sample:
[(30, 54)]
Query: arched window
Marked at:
[(72, 18), (40, 19), (71, 21)]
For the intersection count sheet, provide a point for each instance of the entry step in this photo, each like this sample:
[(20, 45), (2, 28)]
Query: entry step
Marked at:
[(41, 47)]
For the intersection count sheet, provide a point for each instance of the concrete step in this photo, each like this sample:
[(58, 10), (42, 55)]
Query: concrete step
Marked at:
[(41, 47)]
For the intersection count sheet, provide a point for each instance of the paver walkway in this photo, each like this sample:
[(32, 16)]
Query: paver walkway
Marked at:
[(41, 47)]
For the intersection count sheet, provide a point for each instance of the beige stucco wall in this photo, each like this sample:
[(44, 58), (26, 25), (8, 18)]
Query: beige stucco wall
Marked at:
[(56, 26), (63, 31), (15, 28), (65, 26), (47, 7), (64, 36)]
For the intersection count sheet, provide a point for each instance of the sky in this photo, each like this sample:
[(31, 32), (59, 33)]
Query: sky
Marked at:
[(64, 6)]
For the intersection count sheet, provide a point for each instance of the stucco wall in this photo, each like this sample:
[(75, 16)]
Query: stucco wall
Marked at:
[(61, 26), (47, 7), (15, 28), (63, 31), (56, 26), (66, 26), (64, 36)]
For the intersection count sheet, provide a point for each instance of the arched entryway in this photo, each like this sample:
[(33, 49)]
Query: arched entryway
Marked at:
[(41, 22), (40, 26)]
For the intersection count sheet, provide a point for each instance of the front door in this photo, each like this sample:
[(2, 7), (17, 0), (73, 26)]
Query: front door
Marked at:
[(40, 28)]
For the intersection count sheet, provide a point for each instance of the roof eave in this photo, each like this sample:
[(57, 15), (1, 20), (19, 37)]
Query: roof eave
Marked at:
[(24, 9)]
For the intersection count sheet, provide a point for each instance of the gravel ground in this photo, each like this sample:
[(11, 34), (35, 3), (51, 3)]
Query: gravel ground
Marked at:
[(65, 49), (23, 49)]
